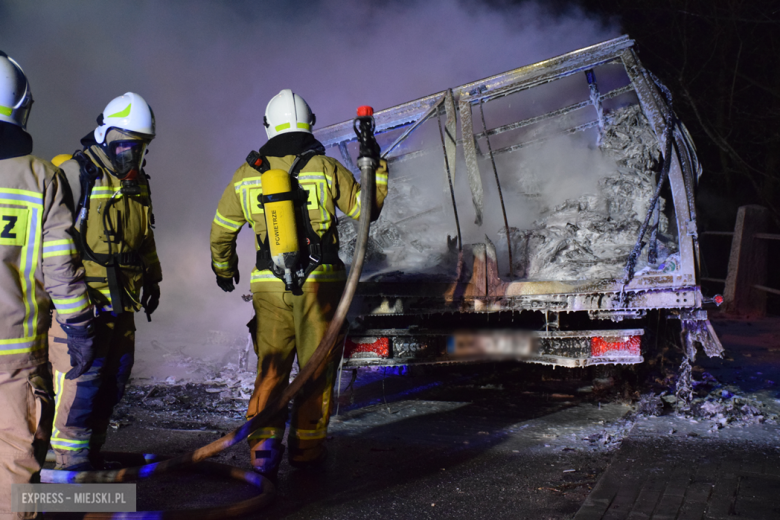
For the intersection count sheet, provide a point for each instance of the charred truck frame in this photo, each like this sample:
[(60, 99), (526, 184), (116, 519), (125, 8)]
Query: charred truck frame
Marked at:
[(564, 322)]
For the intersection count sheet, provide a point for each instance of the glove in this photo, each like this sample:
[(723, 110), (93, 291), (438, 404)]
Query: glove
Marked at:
[(150, 299), (226, 284), (80, 348)]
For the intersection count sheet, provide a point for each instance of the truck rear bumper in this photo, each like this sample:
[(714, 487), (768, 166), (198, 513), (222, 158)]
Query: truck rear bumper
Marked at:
[(396, 347)]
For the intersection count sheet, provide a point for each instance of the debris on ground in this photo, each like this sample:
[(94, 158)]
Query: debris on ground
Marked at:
[(650, 405), (710, 401), (726, 410), (611, 437)]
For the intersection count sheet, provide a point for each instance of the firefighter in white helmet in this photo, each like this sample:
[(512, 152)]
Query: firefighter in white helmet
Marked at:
[(113, 221), (42, 272), (295, 292)]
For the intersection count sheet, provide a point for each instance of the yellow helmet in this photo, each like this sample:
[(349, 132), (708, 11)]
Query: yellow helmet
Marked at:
[(61, 158)]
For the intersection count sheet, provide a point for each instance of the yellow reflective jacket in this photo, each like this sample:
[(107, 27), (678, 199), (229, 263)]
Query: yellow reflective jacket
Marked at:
[(41, 264), (129, 217), (329, 185)]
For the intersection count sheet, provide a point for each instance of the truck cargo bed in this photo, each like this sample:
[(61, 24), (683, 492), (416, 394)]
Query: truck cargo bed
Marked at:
[(561, 193)]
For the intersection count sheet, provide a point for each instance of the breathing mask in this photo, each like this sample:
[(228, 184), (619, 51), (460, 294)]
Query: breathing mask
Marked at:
[(126, 157)]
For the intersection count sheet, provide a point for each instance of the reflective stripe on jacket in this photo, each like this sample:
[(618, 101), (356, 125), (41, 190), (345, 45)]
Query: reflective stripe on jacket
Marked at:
[(328, 184), (42, 266), (130, 217)]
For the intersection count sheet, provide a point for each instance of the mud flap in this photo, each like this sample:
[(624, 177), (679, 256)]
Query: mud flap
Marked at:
[(696, 328), (700, 331)]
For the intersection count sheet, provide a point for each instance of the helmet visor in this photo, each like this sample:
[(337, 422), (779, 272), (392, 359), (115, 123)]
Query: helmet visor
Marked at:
[(127, 156)]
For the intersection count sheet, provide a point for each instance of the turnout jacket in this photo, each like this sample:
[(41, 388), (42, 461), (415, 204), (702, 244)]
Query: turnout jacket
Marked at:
[(129, 218), (41, 266), (328, 184)]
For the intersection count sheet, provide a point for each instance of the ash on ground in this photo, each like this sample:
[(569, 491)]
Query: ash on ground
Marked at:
[(376, 397), (180, 404)]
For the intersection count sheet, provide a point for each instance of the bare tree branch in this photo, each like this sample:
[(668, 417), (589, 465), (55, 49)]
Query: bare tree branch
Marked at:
[(768, 90)]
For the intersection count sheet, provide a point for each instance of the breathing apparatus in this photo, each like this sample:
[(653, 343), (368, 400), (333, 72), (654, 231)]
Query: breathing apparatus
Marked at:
[(280, 224), (292, 248), (111, 261), (125, 128)]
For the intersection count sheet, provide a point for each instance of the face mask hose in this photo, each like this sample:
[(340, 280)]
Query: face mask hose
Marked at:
[(367, 162)]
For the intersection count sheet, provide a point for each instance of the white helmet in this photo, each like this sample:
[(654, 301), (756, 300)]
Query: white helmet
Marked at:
[(129, 112), (15, 96), (287, 112)]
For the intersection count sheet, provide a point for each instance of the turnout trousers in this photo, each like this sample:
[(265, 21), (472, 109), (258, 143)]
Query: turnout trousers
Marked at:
[(83, 406), (23, 399), (287, 325)]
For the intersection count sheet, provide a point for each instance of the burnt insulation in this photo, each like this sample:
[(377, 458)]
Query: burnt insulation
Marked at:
[(584, 238)]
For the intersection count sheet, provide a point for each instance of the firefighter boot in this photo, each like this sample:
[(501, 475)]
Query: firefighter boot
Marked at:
[(266, 456), (98, 461), (309, 459), (72, 460)]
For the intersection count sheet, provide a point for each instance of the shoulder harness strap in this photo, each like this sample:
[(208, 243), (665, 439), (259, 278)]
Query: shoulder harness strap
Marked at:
[(88, 174), (322, 250), (263, 257)]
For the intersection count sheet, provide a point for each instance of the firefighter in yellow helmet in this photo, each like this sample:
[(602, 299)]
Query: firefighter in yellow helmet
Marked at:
[(113, 221), (42, 271), (295, 294)]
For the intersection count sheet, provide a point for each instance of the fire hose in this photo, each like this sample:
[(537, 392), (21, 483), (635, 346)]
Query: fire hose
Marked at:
[(364, 128)]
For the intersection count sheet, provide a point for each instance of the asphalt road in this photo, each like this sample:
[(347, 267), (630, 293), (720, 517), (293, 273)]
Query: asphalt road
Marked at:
[(489, 441)]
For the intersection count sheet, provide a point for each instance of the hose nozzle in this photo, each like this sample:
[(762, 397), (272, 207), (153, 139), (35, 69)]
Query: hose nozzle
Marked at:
[(364, 126)]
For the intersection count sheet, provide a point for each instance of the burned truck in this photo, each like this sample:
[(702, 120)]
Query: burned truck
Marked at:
[(545, 214)]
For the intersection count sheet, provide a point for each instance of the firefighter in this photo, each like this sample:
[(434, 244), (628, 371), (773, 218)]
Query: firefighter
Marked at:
[(42, 271), (113, 221), (295, 291)]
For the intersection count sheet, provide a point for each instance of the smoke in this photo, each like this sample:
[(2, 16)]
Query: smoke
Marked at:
[(563, 168), (209, 68)]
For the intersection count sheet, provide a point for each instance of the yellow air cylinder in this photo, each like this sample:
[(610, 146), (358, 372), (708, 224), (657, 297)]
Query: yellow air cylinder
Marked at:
[(61, 158), (280, 222)]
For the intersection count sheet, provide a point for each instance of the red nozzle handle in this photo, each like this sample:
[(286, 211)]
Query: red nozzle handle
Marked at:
[(364, 111)]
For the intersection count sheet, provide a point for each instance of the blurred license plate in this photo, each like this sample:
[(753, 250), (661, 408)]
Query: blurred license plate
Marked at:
[(492, 344)]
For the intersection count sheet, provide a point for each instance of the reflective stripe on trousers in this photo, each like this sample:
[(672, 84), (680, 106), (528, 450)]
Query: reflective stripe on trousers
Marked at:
[(83, 406)]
